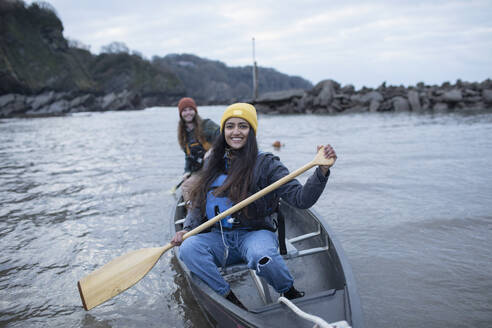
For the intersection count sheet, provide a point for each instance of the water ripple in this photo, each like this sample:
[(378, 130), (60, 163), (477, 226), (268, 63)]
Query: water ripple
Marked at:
[(414, 218)]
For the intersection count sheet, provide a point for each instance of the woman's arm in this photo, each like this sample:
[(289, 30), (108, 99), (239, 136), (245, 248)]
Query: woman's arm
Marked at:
[(293, 192), (192, 220)]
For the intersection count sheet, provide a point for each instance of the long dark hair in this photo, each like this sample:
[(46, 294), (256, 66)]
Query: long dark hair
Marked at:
[(197, 120), (239, 172)]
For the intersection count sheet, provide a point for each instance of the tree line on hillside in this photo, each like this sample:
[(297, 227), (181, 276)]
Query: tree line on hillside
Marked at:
[(42, 73)]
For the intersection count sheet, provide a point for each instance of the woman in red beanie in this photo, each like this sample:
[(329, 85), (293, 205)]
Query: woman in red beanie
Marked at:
[(195, 136)]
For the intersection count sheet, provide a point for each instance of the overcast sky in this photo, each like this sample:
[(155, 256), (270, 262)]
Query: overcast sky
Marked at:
[(363, 43)]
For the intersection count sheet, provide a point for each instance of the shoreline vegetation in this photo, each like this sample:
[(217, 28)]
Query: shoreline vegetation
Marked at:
[(43, 74)]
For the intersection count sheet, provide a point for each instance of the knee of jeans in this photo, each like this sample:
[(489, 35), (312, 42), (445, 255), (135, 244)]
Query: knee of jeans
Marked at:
[(259, 254), (263, 263), (187, 248), (264, 260), (258, 260)]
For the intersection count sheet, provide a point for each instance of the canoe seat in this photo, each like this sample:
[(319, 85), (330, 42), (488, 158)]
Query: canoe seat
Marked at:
[(286, 245), (179, 222)]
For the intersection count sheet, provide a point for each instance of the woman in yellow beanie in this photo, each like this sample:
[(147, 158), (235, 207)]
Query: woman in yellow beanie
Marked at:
[(235, 170)]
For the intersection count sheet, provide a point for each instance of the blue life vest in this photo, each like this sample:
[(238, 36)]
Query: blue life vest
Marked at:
[(262, 209), (216, 205)]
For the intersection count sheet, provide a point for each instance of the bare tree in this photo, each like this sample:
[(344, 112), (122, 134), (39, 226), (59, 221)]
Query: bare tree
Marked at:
[(72, 43), (45, 6), (115, 48)]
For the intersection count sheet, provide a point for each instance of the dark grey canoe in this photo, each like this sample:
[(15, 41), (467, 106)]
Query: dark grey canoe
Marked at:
[(315, 259)]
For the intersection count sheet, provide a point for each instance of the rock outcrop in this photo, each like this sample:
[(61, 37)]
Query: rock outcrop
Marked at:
[(329, 97), (58, 103)]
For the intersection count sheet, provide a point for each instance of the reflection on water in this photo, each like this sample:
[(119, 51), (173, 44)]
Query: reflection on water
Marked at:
[(409, 198), (184, 299)]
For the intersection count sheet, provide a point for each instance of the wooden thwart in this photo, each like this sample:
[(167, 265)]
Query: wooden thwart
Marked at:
[(126, 270)]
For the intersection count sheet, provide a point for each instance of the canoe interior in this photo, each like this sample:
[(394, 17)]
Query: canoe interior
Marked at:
[(320, 275)]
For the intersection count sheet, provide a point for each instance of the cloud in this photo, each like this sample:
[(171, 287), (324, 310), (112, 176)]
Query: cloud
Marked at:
[(356, 42)]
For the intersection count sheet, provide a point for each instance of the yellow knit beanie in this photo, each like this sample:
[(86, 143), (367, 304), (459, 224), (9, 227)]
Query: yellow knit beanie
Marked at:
[(242, 110)]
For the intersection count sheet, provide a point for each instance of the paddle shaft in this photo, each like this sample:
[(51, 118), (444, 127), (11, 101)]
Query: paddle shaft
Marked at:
[(179, 184), (173, 189), (250, 199)]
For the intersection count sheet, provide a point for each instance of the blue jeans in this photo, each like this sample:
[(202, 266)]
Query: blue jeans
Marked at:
[(205, 252)]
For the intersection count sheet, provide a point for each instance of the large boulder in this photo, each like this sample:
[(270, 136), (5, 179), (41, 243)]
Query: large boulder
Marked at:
[(414, 100), (487, 96), (348, 89), (41, 100), (372, 96), (400, 104), (324, 92), (59, 107), (7, 99), (82, 101), (452, 96), (118, 101), (12, 104), (281, 95), (440, 107)]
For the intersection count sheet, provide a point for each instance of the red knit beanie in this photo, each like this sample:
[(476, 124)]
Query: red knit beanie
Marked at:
[(186, 102)]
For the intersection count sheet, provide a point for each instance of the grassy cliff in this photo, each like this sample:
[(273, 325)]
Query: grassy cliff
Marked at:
[(35, 56)]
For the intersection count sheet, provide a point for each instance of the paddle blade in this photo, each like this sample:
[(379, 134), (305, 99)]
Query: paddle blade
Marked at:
[(118, 275), (173, 189)]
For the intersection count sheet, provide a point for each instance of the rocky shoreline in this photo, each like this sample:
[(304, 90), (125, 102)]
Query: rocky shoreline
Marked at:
[(329, 97), (59, 103)]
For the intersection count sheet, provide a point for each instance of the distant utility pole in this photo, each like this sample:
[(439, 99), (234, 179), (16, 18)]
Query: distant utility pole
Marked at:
[(255, 74)]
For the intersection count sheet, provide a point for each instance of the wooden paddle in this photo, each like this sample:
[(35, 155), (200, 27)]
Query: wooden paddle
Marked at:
[(126, 270), (173, 189)]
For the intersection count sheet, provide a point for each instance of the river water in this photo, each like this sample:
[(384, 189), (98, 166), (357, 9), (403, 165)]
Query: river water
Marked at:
[(410, 198)]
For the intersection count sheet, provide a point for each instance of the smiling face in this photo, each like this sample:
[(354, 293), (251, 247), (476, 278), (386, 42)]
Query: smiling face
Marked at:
[(188, 114), (236, 132)]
